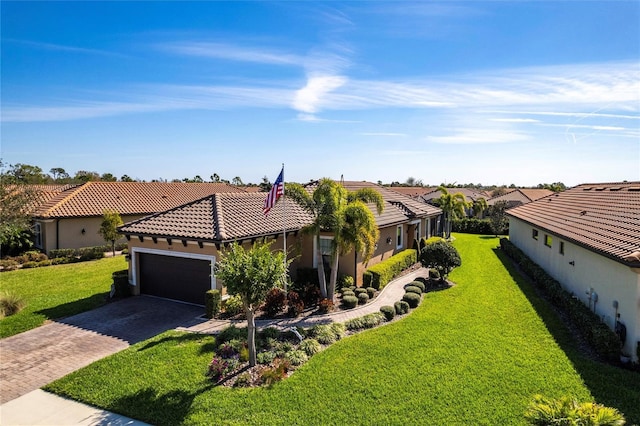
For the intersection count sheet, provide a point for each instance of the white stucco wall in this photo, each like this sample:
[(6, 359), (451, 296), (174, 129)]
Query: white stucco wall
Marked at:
[(610, 280)]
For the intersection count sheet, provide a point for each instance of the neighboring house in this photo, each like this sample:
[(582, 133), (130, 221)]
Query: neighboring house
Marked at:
[(412, 191), (520, 196), (588, 238), (173, 253), (470, 195), (70, 216)]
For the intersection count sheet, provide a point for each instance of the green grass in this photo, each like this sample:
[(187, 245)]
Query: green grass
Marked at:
[(473, 354), (57, 291)]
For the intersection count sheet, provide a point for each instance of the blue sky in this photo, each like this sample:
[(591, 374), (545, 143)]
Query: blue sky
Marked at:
[(484, 92)]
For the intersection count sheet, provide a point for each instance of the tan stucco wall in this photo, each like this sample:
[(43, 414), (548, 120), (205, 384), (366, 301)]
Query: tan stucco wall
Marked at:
[(69, 232), (610, 280)]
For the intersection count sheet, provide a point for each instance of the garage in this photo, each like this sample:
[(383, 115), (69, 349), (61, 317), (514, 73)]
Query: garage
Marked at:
[(174, 276)]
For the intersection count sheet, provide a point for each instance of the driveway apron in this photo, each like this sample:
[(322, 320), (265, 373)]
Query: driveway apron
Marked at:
[(37, 357)]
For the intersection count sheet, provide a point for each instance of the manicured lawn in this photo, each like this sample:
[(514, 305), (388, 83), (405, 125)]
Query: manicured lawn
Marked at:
[(57, 291), (473, 354)]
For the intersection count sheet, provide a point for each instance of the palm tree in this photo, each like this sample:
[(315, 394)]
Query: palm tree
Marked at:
[(453, 206), (344, 214), (479, 206)]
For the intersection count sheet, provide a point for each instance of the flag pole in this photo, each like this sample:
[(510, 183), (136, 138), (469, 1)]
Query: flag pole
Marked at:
[(284, 226)]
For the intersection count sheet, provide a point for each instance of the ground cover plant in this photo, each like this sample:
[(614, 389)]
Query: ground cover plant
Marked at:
[(57, 291), (476, 353)]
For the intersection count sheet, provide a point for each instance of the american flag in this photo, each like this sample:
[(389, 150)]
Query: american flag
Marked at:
[(277, 191)]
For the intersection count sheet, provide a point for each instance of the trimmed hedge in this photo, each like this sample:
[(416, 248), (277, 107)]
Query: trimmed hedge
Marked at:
[(380, 274), (472, 226), (367, 321), (212, 303), (121, 283), (412, 299), (418, 284), (412, 289), (389, 312), (82, 254), (363, 298), (601, 338), (401, 307), (349, 302)]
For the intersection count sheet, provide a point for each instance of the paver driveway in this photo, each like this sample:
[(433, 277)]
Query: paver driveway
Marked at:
[(36, 357)]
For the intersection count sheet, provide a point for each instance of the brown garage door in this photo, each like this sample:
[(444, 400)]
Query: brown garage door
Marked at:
[(174, 277)]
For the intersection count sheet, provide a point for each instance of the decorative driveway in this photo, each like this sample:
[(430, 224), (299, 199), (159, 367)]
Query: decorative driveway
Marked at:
[(37, 357)]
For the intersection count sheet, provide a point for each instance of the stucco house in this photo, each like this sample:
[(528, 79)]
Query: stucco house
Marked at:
[(588, 238), (520, 196), (173, 253), (70, 216)]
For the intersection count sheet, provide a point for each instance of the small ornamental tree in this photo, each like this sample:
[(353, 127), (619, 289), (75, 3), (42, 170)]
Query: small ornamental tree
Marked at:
[(109, 228), (250, 274), (498, 217), (441, 256)]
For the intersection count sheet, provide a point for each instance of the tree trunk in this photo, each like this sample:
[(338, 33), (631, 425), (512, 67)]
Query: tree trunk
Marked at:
[(321, 278), (251, 338), (113, 248), (334, 277)]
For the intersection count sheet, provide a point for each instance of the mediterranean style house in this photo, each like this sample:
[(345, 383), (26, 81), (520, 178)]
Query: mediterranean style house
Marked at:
[(173, 253), (588, 238), (520, 196), (70, 216)]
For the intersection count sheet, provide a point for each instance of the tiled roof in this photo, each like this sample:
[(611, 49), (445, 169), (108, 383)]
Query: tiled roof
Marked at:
[(521, 195), (127, 198), (604, 218), (412, 191), (221, 218), (469, 194)]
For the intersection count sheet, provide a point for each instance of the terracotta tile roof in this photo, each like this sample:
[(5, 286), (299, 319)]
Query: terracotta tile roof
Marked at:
[(411, 191), (127, 198), (521, 196), (604, 218), (398, 207), (221, 218), (469, 194)]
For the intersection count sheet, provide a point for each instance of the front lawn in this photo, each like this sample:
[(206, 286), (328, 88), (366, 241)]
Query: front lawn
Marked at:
[(58, 291), (472, 354)]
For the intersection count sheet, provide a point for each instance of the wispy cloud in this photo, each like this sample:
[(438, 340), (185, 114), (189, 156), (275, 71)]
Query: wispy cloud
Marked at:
[(479, 136), (514, 120), (61, 47), (384, 134), (309, 99), (232, 52)]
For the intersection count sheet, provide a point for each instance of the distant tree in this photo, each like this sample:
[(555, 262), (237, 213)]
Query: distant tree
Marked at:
[(499, 191), (17, 202), (25, 173), (176, 181), (108, 228), (126, 178), (265, 185), (250, 274), (380, 182), (236, 181), (85, 176), (513, 186), (215, 178), (59, 174), (555, 186), (441, 256), (108, 177), (498, 217)]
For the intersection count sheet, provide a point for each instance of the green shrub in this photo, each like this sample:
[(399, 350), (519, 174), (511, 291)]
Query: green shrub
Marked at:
[(28, 265), (371, 292), (412, 289), (472, 226), (346, 281), (212, 303), (433, 274), (401, 307), (243, 380), (265, 357), (338, 329), (567, 411), (359, 291), (243, 355), (442, 256), (349, 302), (323, 334), (121, 283), (10, 304), (380, 274), (274, 302), (270, 332), (366, 321), (310, 346), (231, 333), (412, 299), (363, 298), (389, 312), (348, 293), (233, 305), (9, 264), (297, 357), (418, 284), (425, 241)]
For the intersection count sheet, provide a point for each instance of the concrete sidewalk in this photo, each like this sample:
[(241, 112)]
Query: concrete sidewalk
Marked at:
[(43, 408)]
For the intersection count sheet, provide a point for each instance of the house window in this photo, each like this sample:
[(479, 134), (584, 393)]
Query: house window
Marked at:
[(561, 248), (325, 249), (547, 240), (37, 230), (399, 237), (534, 234)]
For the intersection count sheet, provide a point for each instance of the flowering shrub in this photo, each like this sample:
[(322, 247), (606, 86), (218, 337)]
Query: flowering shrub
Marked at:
[(220, 367), (325, 306)]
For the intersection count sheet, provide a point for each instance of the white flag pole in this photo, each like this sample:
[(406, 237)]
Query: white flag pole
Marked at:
[(284, 227)]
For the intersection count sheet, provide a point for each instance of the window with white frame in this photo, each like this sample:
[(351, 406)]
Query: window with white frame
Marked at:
[(399, 237), (325, 248), (37, 230)]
